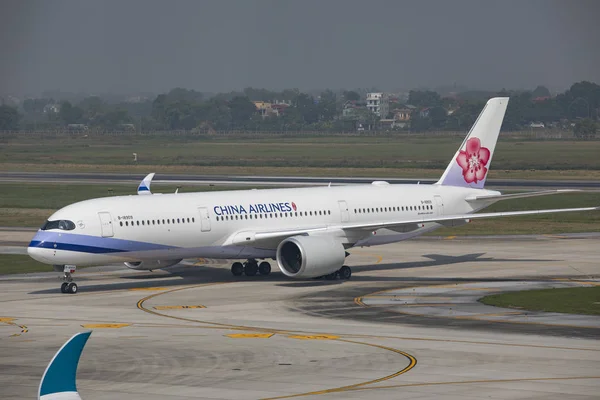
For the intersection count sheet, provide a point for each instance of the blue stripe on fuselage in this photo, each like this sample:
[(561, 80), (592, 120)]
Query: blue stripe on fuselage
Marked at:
[(90, 244), (73, 247)]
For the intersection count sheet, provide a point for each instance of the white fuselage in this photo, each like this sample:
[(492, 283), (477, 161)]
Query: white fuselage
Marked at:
[(185, 225)]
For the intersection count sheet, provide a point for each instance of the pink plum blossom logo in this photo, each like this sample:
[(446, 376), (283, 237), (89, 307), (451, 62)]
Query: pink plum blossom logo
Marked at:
[(473, 161), (294, 206)]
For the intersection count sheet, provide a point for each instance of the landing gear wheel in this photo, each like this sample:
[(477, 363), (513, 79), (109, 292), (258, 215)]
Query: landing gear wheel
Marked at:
[(68, 286), (264, 268), (251, 268), (333, 276), (345, 272), (237, 269), (72, 288)]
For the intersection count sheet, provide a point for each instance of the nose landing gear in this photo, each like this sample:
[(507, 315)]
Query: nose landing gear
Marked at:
[(68, 286)]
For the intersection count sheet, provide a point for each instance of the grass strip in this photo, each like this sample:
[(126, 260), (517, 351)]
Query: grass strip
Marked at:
[(580, 300)]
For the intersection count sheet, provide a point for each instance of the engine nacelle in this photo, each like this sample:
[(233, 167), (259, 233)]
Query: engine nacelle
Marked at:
[(151, 264), (310, 256)]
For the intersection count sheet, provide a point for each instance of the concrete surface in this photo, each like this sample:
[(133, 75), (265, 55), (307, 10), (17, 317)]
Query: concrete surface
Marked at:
[(195, 331)]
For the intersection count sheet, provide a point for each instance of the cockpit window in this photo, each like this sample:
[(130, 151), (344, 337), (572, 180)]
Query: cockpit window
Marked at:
[(62, 224)]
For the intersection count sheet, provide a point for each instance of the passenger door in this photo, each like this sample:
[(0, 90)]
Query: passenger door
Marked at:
[(204, 219), (344, 210), (106, 224), (439, 205)]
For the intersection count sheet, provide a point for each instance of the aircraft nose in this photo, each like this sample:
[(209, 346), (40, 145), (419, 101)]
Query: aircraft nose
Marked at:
[(37, 251)]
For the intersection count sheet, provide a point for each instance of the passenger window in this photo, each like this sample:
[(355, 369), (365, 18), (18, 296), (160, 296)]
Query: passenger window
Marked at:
[(121, 223), (193, 220)]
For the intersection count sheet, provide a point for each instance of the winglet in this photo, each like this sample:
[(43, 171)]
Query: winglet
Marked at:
[(58, 381), (144, 187)]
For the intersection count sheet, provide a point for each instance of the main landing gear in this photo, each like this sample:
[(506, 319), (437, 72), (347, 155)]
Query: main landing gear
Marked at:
[(68, 286), (343, 273), (250, 268)]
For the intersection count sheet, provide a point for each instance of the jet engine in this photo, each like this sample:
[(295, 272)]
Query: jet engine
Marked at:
[(310, 256), (151, 264)]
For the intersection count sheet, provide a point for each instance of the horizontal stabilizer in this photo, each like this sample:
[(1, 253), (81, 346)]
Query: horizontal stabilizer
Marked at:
[(520, 195), (58, 381)]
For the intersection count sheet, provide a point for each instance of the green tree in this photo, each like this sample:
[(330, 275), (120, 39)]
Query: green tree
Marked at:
[(582, 100), (351, 95), (242, 110), (9, 118), (70, 114), (307, 108), (93, 107), (184, 95), (585, 129), (113, 118), (36, 106), (540, 91), (327, 105), (420, 124), (438, 116), (425, 98)]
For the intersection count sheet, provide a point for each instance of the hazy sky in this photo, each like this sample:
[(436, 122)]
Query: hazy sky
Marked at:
[(147, 45)]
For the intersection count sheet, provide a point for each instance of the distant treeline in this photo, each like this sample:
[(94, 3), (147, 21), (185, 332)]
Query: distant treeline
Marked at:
[(291, 110)]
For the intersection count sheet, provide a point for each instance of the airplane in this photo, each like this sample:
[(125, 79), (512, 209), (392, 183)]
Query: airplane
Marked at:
[(307, 231)]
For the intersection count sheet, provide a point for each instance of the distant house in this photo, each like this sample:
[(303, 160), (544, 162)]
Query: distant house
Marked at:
[(127, 127), (350, 108), (51, 108), (264, 108), (77, 127), (424, 113), (378, 103), (402, 114), (541, 99), (537, 125), (279, 108)]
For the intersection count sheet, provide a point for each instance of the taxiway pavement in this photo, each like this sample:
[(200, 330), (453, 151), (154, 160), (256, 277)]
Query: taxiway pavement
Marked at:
[(195, 331)]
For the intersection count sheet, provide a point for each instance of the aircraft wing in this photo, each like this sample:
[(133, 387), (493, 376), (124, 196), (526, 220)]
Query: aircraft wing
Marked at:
[(251, 238), (458, 217), (496, 197)]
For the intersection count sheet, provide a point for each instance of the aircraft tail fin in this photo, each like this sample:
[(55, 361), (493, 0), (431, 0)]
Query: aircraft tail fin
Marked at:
[(144, 187), (58, 381), (471, 163)]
